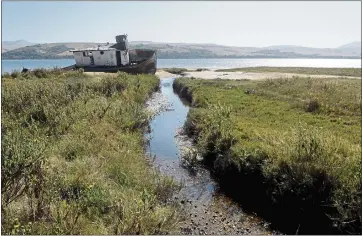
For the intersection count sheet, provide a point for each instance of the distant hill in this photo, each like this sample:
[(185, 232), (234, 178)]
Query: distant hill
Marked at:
[(45, 51), (187, 50), (351, 47), (11, 45), (356, 45)]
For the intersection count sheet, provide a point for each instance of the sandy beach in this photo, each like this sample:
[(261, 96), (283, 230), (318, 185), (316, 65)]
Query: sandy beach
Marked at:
[(212, 74)]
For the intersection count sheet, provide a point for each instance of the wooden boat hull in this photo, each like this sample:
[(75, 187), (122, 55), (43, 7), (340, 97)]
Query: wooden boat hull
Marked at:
[(142, 61)]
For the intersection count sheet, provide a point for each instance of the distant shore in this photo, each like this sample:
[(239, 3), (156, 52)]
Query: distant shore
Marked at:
[(4, 57)]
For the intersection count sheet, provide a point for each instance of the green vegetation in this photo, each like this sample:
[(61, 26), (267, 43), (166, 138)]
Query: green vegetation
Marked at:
[(181, 71), (292, 145), (301, 70), (202, 69), (176, 71), (72, 156), (37, 73)]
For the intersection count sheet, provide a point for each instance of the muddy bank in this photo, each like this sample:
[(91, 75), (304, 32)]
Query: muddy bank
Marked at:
[(206, 210)]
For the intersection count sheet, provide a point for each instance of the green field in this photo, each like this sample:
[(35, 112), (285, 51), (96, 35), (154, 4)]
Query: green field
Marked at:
[(356, 72), (73, 158), (293, 144)]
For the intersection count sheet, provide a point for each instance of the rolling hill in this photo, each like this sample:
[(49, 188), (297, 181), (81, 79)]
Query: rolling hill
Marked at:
[(11, 45), (354, 45), (183, 50)]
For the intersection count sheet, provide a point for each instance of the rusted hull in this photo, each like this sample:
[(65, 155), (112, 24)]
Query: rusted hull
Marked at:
[(142, 62)]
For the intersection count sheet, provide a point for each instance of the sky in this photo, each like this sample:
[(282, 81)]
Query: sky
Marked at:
[(246, 24)]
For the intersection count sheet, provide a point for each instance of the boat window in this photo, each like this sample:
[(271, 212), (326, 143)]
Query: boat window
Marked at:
[(102, 52), (87, 54), (121, 46)]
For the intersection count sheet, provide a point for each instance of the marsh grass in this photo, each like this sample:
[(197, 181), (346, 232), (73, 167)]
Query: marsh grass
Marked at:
[(181, 71), (177, 71), (333, 97), (356, 72), (293, 145), (202, 69), (73, 156), (40, 73)]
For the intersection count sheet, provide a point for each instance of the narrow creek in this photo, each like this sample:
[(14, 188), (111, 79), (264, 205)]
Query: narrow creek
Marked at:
[(206, 209)]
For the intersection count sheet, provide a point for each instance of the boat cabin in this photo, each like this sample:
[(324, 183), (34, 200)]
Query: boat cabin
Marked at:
[(104, 56)]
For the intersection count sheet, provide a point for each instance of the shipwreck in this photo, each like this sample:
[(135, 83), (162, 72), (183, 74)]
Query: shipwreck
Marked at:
[(117, 57)]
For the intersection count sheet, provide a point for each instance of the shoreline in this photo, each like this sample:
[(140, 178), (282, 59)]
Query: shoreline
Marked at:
[(238, 75)]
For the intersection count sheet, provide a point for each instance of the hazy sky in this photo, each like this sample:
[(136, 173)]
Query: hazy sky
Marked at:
[(312, 24)]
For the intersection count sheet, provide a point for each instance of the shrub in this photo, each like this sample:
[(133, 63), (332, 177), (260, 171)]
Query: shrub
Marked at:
[(177, 71), (40, 73), (6, 75), (15, 74), (21, 158), (202, 69), (312, 106)]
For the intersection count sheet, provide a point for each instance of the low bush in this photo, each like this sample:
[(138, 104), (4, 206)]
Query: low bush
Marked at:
[(202, 69), (312, 106), (15, 74), (177, 71)]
